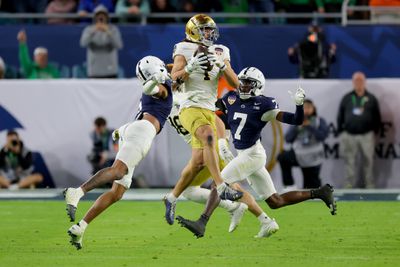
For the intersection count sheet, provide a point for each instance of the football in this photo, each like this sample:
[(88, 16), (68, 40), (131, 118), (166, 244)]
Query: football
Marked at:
[(204, 49)]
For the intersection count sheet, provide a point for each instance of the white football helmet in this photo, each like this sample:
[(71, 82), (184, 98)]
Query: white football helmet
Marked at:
[(252, 82), (149, 66)]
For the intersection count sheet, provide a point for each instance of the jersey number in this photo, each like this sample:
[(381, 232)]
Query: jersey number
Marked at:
[(243, 118), (176, 123)]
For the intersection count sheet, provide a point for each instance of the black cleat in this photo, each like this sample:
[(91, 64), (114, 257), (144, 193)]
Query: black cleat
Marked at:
[(231, 194), (325, 193), (196, 227)]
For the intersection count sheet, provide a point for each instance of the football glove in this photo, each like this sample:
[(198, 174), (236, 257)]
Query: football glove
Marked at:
[(196, 62), (298, 96), (223, 150), (217, 61)]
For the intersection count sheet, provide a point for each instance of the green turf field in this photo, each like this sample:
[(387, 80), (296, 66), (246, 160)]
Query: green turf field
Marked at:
[(33, 233)]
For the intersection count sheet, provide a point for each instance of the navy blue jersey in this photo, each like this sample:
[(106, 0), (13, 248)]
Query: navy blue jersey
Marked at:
[(244, 117), (158, 107)]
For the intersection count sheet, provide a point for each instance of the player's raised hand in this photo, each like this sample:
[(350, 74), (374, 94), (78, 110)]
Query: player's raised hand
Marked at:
[(217, 61), (298, 96), (196, 62), (224, 151)]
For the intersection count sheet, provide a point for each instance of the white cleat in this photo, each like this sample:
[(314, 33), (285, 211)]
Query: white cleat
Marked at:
[(236, 216), (76, 235), (268, 228), (72, 197)]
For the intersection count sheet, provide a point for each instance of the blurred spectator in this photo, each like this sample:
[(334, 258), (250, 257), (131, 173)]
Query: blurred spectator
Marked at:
[(103, 151), (39, 68), (88, 6), (307, 148), (260, 6), (299, 6), (235, 6), (16, 168), (30, 6), (61, 7), (161, 6), (102, 41), (313, 54), (132, 8), (332, 6), (2, 69), (187, 6), (358, 118)]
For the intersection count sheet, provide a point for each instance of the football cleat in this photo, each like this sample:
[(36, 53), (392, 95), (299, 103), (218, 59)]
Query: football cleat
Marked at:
[(267, 228), (230, 194), (196, 227), (72, 198), (326, 195), (169, 211), (76, 235), (236, 216)]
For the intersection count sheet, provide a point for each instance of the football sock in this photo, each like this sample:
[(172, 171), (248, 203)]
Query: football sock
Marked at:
[(80, 192), (204, 219), (171, 197), (315, 193), (82, 224), (229, 205), (263, 217)]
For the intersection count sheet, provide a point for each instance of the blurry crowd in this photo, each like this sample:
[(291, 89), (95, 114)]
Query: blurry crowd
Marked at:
[(131, 10)]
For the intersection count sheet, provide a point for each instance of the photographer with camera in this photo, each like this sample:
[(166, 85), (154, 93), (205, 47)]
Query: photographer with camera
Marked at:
[(102, 41), (16, 168), (104, 150), (313, 54)]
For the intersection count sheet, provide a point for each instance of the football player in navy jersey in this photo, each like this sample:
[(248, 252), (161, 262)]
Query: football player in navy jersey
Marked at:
[(135, 139), (248, 111)]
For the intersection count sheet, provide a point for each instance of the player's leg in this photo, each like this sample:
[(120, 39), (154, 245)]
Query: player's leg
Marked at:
[(201, 125), (262, 183), (135, 141), (102, 203), (30, 180)]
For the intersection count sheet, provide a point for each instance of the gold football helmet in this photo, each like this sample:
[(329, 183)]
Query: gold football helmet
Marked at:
[(201, 29)]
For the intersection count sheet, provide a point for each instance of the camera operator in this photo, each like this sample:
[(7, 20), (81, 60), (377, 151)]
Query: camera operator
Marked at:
[(104, 150), (313, 54), (16, 168)]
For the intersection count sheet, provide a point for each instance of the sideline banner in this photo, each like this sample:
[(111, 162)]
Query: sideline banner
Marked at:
[(55, 118)]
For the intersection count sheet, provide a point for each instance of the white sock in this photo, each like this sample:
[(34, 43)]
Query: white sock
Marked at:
[(83, 225), (171, 197), (221, 188), (80, 192), (263, 217)]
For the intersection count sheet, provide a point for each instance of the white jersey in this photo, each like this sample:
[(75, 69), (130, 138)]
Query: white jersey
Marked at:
[(201, 87), (173, 118)]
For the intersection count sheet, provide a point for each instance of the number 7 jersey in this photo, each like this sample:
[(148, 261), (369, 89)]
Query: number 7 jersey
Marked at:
[(247, 117)]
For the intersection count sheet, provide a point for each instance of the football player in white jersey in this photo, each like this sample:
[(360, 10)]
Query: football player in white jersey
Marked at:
[(197, 111), (135, 139), (248, 111)]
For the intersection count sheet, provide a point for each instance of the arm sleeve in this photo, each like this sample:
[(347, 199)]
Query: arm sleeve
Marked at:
[(115, 36), (87, 35), (294, 119), (25, 59)]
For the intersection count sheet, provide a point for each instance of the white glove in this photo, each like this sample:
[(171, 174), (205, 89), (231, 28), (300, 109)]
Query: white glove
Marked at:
[(196, 62), (115, 135), (217, 61), (298, 96), (223, 150)]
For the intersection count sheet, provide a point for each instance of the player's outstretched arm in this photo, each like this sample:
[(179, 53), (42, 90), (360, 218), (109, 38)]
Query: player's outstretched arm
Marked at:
[(230, 75), (298, 117)]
